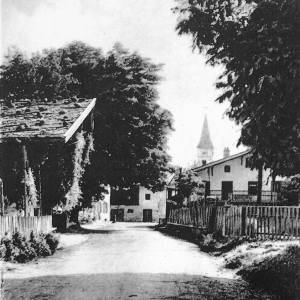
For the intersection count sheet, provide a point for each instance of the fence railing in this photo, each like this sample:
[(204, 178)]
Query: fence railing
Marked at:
[(10, 225), (264, 222), (243, 196)]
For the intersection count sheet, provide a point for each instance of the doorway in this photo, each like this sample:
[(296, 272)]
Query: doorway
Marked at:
[(117, 215), (147, 215), (227, 187)]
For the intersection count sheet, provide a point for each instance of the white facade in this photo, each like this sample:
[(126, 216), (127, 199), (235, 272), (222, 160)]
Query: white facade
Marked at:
[(231, 174), (151, 207)]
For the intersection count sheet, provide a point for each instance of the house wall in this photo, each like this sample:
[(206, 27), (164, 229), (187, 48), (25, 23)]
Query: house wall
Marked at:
[(239, 175), (105, 211), (157, 203)]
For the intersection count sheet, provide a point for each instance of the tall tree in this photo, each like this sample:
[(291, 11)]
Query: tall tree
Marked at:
[(258, 44), (130, 127), (16, 76)]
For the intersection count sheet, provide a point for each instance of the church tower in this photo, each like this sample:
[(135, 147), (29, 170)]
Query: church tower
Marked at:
[(205, 148)]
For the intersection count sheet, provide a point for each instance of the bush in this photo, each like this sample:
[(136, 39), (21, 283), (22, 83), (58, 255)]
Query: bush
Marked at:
[(18, 249), (52, 241), (279, 275)]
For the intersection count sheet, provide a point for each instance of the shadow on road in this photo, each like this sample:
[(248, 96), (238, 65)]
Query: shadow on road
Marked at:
[(129, 286)]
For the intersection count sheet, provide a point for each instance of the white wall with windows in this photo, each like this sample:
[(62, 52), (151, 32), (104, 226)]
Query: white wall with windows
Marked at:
[(151, 207)]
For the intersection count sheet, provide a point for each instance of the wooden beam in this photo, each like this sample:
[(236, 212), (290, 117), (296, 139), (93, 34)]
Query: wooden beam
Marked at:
[(79, 121)]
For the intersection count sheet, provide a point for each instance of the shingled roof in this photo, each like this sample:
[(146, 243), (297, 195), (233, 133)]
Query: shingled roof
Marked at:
[(57, 119), (205, 140)]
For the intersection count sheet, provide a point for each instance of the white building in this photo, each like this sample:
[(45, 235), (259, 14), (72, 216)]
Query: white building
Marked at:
[(138, 205), (232, 175)]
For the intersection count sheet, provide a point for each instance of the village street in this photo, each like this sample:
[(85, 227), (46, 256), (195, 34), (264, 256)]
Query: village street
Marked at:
[(126, 261)]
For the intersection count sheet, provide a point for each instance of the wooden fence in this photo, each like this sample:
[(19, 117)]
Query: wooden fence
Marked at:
[(264, 222), (10, 225)]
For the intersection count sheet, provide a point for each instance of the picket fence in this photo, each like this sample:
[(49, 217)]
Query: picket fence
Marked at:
[(10, 225), (263, 222)]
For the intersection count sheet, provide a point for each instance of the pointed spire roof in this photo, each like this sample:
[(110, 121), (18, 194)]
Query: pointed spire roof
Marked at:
[(205, 140)]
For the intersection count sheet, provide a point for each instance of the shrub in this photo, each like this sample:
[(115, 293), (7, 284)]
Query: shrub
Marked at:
[(40, 245), (18, 249), (52, 241), (279, 274)]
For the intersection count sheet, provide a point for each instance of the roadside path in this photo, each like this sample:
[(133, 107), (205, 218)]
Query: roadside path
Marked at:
[(126, 261)]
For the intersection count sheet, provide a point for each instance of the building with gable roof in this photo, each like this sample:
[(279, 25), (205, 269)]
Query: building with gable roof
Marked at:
[(29, 128)]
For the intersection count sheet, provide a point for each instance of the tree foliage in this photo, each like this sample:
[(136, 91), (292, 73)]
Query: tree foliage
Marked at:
[(258, 44), (131, 127), (187, 183)]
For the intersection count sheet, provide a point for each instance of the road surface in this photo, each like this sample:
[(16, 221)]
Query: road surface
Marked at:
[(126, 261)]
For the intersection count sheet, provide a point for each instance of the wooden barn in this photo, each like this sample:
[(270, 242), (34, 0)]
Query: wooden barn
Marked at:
[(35, 137)]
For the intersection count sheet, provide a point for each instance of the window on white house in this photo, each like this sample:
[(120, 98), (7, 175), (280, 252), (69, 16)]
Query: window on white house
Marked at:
[(130, 211), (148, 196), (276, 186), (247, 165), (227, 169)]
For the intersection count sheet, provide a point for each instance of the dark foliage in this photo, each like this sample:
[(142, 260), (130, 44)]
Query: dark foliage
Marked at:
[(279, 275), (18, 249), (187, 183), (290, 191)]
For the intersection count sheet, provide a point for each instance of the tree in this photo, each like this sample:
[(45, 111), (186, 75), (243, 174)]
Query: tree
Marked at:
[(258, 44), (187, 183), (85, 63), (130, 127), (16, 77)]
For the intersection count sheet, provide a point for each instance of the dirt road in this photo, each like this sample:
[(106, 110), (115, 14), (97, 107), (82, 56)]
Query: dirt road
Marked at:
[(126, 261)]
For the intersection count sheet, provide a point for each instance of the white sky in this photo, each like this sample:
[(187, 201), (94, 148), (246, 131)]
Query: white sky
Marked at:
[(145, 26)]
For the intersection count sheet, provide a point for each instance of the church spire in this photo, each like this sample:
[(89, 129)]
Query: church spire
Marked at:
[(205, 140), (205, 148)]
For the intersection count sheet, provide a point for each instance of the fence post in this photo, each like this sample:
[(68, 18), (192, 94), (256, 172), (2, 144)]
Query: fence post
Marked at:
[(243, 217), (212, 220)]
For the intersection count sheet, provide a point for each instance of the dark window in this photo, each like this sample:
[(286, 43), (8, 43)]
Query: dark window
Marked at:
[(247, 162), (252, 188), (203, 162), (130, 211), (147, 196), (227, 169), (207, 187), (212, 171), (170, 193), (276, 186)]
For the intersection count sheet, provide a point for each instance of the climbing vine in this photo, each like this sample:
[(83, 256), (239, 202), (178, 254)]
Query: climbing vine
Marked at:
[(31, 192), (81, 158)]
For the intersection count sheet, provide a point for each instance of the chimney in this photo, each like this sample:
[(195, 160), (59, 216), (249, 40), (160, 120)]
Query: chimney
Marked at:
[(226, 152)]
